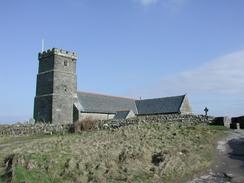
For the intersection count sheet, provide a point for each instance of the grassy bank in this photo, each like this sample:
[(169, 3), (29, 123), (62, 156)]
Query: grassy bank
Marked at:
[(164, 152)]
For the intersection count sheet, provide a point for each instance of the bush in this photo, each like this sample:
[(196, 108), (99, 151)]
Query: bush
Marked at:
[(85, 124)]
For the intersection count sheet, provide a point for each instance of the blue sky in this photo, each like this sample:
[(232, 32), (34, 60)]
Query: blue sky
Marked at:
[(132, 48)]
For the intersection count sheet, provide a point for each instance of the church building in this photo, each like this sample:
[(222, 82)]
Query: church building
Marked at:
[(58, 101)]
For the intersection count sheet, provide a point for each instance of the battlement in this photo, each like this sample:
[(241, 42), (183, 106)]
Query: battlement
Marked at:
[(56, 51)]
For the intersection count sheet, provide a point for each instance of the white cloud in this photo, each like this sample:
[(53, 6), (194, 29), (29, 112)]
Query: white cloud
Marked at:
[(223, 75), (219, 84)]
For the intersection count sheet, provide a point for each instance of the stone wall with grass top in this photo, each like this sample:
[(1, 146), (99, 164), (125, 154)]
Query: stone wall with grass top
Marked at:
[(116, 123), (49, 129), (33, 129)]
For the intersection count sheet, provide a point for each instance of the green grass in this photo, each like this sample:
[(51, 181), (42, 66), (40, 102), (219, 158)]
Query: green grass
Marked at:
[(23, 175), (118, 155)]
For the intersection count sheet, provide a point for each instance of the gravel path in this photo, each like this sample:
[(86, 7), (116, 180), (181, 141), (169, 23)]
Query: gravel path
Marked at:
[(229, 166)]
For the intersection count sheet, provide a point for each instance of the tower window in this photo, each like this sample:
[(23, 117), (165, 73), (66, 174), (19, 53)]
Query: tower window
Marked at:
[(65, 63), (65, 88)]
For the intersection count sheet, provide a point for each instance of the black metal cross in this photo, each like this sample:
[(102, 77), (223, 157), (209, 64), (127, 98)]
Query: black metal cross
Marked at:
[(206, 111)]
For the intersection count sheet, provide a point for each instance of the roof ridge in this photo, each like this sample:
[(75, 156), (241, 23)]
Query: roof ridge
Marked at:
[(106, 95), (162, 97)]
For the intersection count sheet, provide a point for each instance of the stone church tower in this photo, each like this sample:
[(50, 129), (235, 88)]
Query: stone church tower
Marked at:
[(56, 87)]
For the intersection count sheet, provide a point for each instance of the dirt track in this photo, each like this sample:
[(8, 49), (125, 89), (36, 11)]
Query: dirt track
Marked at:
[(229, 161)]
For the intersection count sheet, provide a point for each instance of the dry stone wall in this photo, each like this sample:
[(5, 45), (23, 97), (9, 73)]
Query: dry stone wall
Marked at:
[(237, 121), (194, 119), (42, 128), (33, 129), (222, 121)]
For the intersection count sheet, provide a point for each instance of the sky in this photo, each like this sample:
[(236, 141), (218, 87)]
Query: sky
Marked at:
[(131, 48)]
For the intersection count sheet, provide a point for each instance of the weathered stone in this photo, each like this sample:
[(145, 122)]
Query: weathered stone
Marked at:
[(49, 129), (221, 121), (33, 129), (117, 123), (235, 121), (56, 88)]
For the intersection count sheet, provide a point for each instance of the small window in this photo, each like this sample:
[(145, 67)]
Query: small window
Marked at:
[(65, 63), (65, 88)]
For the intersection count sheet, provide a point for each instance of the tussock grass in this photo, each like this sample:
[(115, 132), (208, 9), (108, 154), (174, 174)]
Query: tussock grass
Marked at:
[(161, 152), (85, 124)]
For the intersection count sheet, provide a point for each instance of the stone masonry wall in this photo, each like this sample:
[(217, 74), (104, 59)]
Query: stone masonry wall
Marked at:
[(56, 87), (95, 116), (33, 129), (237, 120), (43, 128), (116, 123)]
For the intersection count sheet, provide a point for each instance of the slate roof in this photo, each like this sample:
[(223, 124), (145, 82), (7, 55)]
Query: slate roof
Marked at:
[(121, 114), (98, 103), (160, 105)]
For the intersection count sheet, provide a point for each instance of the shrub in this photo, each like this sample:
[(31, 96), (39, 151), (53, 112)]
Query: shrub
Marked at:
[(85, 124)]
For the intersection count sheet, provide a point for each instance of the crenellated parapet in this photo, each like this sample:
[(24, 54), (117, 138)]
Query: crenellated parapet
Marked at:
[(56, 51)]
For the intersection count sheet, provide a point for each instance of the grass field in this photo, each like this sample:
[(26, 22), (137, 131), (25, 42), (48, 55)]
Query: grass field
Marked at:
[(163, 152)]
